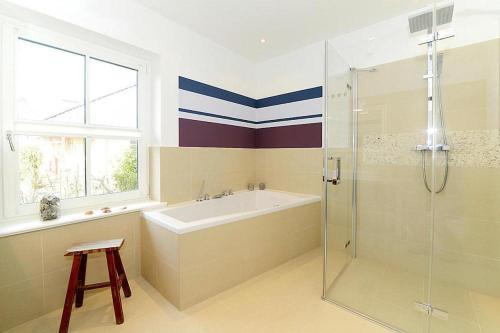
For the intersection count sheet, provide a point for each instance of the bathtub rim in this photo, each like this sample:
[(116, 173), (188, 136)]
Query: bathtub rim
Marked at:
[(179, 227)]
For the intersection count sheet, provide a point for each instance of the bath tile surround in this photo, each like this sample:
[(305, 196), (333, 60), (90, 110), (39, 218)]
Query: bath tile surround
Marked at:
[(177, 173), (187, 268), (213, 117)]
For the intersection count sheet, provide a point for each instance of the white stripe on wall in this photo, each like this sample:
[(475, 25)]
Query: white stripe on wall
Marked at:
[(198, 102), (289, 110)]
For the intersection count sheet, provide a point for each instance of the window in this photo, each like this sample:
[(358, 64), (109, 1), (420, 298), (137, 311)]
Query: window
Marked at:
[(77, 122)]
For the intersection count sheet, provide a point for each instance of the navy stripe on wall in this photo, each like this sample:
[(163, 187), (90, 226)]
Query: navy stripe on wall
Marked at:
[(295, 96), (216, 116), (208, 90)]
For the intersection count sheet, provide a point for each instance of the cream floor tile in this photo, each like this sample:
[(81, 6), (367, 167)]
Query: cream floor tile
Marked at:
[(285, 299), (388, 294), (357, 285), (487, 309)]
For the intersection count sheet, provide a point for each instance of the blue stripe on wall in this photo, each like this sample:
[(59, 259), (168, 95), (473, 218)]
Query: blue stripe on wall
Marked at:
[(291, 118), (291, 97), (208, 90), (249, 121), (216, 116)]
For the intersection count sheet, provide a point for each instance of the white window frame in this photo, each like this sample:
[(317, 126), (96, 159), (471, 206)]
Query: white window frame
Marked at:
[(11, 31)]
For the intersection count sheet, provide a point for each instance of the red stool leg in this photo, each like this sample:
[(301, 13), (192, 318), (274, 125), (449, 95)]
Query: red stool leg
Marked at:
[(121, 274), (70, 294), (81, 281), (115, 288)]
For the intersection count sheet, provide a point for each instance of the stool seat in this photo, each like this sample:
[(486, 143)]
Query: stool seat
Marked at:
[(77, 287), (95, 247)]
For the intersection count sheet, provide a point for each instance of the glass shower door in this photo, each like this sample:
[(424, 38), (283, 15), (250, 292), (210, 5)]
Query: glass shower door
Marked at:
[(387, 267), (338, 156)]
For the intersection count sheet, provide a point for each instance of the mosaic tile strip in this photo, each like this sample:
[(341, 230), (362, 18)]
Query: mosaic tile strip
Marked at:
[(473, 148)]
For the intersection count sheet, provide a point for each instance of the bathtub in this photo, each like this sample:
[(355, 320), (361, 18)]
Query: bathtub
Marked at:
[(194, 216), (195, 250)]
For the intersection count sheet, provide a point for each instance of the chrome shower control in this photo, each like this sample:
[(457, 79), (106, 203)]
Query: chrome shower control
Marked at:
[(439, 147)]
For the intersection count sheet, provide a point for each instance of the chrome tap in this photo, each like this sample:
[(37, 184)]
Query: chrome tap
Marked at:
[(201, 195), (224, 193)]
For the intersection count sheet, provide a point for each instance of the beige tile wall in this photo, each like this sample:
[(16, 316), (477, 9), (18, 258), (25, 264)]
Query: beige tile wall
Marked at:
[(192, 267), (394, 208), (34, 272), (291, 169), (180, 171)]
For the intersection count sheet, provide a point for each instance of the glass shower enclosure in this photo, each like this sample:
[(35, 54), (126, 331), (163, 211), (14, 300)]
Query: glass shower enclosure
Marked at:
[(412, 169)]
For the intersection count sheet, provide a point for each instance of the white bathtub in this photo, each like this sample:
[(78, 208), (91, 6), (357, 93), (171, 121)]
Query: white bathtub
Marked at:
[(192, 216)]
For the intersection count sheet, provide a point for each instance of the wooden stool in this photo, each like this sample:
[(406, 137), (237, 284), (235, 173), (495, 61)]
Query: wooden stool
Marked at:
[(77, 286)]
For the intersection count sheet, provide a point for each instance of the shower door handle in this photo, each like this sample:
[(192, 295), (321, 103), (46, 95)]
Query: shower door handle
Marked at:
[(338, 166)]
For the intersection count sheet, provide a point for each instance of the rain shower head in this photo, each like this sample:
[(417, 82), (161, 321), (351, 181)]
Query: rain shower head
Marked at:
[(423, 20)]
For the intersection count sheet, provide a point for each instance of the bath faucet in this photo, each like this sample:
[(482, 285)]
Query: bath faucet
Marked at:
[(201, 196), (223, 194)]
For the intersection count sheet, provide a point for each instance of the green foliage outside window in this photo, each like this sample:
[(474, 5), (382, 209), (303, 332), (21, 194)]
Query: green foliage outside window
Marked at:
[(125, 176)]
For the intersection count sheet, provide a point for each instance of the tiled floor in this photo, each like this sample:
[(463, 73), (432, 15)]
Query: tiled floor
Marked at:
[(388, 294), (286, 299)]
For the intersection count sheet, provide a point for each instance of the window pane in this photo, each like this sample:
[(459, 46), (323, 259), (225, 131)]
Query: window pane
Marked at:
[(113, 94), (50, 83), (113, 165), (51, 165)]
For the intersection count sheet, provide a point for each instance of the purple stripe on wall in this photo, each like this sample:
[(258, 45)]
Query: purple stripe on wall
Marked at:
[(293, 136), (194, 133)]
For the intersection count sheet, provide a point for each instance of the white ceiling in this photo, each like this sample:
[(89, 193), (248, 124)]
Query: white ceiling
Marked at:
[(285, 24)]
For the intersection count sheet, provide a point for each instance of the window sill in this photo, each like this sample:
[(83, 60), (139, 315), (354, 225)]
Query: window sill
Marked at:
[(17, 227)]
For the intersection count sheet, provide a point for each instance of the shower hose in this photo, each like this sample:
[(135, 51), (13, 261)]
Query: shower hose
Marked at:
[(445, 143)]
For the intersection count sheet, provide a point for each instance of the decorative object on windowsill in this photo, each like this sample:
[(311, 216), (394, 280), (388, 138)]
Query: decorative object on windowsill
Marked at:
[(251, 187), (262, 186), (49, 207), (106, 210), (89, 212)]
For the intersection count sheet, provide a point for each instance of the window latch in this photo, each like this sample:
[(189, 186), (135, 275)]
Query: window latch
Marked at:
[(9, 138)]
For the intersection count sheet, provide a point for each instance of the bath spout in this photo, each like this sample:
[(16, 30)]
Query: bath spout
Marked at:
[(201, 195)]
